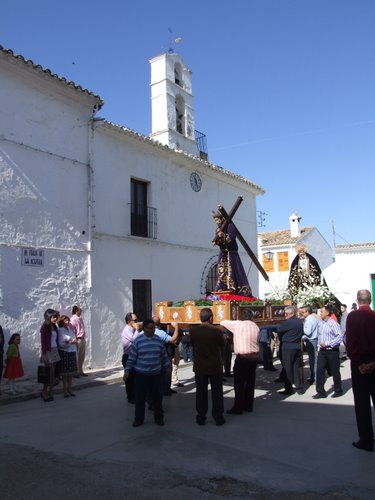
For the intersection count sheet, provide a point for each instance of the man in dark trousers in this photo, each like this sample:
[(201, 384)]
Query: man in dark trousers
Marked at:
[(329, 340), (246, 347), (1, 353), (290, 332), (360, 347), (208, 345)]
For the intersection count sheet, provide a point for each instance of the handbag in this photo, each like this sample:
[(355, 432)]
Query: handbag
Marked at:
[(44, 374)]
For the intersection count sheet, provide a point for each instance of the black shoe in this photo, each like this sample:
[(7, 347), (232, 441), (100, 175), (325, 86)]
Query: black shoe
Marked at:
[(279, 380), (83, 375), (229, 375), (169, 393), (159, 421), (363, 446), (233, 411), (249, 410), (76, 376), (137, 423), (271, 369), (319, 395), (337, 394), (131, 401), (286, 393), (311, 380), (220, 421), (201, 421)]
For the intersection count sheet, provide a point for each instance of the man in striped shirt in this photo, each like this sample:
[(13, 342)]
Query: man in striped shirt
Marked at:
[(329, 340), (246, 347), (149, 360)]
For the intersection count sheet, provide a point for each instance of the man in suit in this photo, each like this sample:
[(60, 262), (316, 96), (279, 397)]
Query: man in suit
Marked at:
[(360, 346), (290, 332), (208, 343)]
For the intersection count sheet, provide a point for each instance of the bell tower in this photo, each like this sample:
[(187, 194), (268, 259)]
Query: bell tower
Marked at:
[(172, 103)]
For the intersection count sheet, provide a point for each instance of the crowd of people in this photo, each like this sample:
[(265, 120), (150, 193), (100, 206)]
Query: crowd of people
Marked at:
[(147, 365), (62, 353), (63, 342), (151, 357)]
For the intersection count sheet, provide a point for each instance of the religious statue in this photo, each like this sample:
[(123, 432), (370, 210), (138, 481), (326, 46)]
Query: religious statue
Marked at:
[(231, 273), (304, 271)]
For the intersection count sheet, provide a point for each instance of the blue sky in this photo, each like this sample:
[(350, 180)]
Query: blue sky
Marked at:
[(284, 89)]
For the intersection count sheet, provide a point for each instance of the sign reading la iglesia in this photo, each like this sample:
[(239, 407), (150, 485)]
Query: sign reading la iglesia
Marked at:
[(32, 257)]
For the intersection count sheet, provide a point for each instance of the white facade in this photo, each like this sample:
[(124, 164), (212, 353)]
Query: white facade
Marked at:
[(65, 193), (353, 270), (282, 245)]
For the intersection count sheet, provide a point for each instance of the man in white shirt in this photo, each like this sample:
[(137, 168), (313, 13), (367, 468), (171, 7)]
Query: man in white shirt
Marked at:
[(246, 347), (310, 337)]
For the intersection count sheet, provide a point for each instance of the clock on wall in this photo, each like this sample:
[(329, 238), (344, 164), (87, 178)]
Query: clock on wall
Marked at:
[(195, 181)]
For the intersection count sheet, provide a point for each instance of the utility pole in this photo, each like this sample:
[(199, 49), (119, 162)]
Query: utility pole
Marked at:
[(334, 239)]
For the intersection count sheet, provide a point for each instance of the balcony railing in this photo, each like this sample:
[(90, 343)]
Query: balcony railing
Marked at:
[(201, 141), (143, 221)]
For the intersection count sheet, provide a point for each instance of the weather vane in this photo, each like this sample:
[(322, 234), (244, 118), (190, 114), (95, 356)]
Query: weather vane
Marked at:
[(173, 40)]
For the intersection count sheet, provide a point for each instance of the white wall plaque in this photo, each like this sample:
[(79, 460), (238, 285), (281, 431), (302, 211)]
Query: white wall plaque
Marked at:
[(32, 257)]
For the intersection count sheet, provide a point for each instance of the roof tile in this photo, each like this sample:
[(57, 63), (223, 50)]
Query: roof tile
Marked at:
[(282, 237)]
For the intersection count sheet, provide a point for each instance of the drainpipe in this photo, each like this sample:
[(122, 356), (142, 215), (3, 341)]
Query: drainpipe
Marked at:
[(91, 202), (91, 211)]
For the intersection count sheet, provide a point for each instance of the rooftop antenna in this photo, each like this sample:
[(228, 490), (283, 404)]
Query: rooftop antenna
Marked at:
[(173, 40), (261, 218)]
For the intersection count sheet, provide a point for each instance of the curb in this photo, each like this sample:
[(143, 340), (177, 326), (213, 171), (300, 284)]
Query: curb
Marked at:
[(34, 392)]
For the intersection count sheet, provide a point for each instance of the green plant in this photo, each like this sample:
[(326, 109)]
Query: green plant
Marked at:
[(252, 303)]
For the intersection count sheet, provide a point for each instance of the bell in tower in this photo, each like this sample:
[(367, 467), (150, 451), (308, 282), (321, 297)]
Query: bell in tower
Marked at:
[(172, 103)]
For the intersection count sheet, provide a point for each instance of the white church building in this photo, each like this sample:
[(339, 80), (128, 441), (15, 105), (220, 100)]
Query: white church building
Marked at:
[(95, 214)]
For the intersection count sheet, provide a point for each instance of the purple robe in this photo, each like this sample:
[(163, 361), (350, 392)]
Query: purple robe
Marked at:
[(231, 276)]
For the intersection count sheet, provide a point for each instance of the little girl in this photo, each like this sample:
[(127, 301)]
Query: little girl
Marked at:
[(13, 368)]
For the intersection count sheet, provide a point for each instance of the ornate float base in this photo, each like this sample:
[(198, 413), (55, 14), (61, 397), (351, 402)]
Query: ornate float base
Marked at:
[(264, 315)]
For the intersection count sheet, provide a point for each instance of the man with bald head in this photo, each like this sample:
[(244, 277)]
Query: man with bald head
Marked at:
[(360, 346)]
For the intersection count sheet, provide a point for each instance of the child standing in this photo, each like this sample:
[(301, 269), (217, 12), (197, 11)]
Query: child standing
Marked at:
[(13, 368)]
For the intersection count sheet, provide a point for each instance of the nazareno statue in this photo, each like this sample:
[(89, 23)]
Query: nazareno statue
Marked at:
[(231, 273)]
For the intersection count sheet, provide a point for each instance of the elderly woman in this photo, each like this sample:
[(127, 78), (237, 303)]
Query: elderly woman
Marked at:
[(68, 354), (50, 353)]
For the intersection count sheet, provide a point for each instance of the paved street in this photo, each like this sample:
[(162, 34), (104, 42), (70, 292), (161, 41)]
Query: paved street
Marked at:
[(85, 447)]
